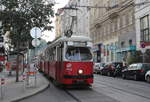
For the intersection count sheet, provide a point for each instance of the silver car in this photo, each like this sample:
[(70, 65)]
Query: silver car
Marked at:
[(98, 67), (147, 76)]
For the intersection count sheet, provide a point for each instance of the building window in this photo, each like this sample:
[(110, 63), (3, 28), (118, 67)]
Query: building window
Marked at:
[(130, 42), (123, 21), (112, 3), (144, 24), (118, 23), (130, 18), (104, 30), (122, 44)]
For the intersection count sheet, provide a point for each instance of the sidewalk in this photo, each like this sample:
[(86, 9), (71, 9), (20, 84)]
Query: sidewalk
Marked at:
[(16, 91)]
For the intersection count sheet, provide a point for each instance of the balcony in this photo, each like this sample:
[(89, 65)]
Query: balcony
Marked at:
[(113, 11), (97, 25)]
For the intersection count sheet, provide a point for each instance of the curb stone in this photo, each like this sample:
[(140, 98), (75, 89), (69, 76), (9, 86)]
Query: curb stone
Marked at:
[(31, 94)]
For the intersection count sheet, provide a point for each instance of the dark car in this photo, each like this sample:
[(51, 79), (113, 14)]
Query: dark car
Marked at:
[(136, 71), (118, 67), (106, 69), (113, 69)]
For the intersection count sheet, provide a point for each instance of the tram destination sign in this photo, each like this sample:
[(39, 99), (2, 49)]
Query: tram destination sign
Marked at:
[(79, 43)]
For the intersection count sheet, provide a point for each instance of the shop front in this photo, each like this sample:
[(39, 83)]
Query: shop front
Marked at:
[(97, 53), (122, 53)]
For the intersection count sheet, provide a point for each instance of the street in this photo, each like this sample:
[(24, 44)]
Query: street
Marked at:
[(104, 89)]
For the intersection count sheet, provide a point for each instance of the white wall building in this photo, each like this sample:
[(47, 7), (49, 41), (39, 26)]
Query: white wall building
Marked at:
[(78, 18), (142, 22), (83, 15)]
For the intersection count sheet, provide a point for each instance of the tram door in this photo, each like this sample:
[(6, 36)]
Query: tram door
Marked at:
[(59, 62)]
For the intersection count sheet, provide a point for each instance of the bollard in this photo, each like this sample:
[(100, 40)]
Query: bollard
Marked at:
[(24, 82), (35, 80), (23, 77), (2, 87)]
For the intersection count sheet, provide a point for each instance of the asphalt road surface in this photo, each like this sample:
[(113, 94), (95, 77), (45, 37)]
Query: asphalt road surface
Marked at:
[(104, 89)]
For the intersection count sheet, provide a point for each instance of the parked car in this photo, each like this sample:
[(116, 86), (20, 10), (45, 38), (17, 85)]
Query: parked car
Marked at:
[(106, 69), (118, 67), (147, 76), (136, 71), (112, 69), (102, 65), (98, 67)]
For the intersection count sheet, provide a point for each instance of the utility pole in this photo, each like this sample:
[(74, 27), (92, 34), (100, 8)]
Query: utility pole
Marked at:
[(17, 63)]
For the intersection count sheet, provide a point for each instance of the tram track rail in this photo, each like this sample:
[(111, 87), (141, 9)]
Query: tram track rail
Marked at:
[(121, 89), (73, 96)]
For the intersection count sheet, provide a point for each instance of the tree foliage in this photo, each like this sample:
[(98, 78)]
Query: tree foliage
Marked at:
[(147, 56), (19, 16), (135, 57)]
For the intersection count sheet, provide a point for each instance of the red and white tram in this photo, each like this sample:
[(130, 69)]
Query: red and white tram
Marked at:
[(69, 61)]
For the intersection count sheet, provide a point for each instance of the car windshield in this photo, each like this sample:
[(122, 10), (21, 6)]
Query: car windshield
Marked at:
[(78, 54), (102, 64), (146, 66), (117, 65)]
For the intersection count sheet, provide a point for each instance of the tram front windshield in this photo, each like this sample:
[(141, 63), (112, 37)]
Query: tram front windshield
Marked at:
[(78, 54)]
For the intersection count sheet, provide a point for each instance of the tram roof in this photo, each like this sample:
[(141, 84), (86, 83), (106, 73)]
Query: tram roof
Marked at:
[(72, 38), (75, 38)]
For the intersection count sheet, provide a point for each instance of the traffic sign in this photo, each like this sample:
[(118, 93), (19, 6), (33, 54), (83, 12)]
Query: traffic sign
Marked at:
[(35, 42), (143, 50), (35, 32), (143, 45)]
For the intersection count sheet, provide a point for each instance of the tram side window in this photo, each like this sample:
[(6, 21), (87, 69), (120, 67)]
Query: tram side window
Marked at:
[(54, 54), (51, 54)]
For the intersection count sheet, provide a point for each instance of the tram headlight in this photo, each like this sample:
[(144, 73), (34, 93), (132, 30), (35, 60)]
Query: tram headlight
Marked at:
[(80, 71)]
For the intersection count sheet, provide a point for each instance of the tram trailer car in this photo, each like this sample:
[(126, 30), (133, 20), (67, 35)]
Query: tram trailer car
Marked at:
[(68, 61)]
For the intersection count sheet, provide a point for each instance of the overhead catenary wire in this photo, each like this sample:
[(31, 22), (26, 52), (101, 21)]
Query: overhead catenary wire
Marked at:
[(75, 7)]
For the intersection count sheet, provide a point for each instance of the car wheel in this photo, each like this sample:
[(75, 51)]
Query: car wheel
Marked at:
[(123, 76), (108, 74), (148, 79), (135, 77), (102, 73)]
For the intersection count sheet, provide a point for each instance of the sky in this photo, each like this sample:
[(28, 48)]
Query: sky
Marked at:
[(50, 35)]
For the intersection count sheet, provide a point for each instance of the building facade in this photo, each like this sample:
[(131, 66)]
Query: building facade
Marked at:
[(112, 29), (58, 21), (142, 21), (75, 19)]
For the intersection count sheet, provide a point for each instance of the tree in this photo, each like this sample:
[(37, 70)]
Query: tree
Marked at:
[(147, 56), (135, 57), (19, 16)]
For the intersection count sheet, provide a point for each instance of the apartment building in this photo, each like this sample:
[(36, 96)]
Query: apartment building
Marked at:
[(58, 21), (142, 22), (112, 29), (75, 19)]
